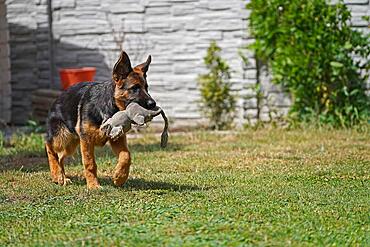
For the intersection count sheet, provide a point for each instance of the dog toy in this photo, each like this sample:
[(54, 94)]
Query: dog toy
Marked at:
[(121, 122)]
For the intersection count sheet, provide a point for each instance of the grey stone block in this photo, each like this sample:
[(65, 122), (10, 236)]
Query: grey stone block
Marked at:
[(219, 5), (182, 10), (57, 4), (150, 3), (119, 8), (161, 10), (87, 3)]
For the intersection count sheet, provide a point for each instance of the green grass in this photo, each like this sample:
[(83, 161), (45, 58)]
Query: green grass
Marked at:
[(264, 187)]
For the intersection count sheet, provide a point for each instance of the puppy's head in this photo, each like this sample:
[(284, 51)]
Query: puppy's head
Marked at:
[(131, 84)]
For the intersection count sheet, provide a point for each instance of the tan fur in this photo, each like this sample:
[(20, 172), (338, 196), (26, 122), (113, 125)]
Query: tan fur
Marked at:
[(63, 139), (119, 97), (63, 145), (94, 135), (122, 168), (138, 70), (53, 162), (88, 160)]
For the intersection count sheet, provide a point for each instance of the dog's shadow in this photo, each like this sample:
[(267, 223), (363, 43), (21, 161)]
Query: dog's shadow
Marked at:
[(24, 161), (154, 147), (137, 184), (142, 184), (36, 161)]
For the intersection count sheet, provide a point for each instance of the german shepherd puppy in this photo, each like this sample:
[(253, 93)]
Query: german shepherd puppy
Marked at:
[(75, 118)]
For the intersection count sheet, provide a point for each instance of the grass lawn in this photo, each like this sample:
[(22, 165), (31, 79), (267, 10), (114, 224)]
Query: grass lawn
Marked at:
[(264, 187)]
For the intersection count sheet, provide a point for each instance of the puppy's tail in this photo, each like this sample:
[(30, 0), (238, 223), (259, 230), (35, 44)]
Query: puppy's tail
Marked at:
[(164, 136)]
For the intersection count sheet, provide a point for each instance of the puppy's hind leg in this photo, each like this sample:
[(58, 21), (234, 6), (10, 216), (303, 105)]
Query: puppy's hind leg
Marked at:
[(57, 149), (68, 150), (53, 162)]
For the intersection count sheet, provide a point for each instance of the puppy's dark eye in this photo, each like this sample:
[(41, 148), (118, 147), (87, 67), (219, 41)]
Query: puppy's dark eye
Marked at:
[(135, 89)]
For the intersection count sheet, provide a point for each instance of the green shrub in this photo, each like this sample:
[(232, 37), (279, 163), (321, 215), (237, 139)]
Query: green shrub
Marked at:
[(313, 52), (217, 100)]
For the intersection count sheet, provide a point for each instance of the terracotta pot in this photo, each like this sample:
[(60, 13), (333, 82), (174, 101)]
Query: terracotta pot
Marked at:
[(72, 76)]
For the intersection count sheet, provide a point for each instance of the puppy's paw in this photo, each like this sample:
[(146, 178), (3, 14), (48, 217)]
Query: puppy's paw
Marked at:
[(119, 180), (67, 181), (63, 180), (94, 187)]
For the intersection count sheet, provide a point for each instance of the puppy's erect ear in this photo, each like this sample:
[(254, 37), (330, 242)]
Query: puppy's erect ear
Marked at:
[(144, 66), (121, 69)]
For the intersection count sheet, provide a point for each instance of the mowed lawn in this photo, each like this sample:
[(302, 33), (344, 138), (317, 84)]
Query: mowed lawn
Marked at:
[(264, 187)]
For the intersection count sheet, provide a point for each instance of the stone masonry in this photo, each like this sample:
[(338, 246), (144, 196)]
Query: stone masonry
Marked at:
[(28, 54), (5, 89), (175, 32)]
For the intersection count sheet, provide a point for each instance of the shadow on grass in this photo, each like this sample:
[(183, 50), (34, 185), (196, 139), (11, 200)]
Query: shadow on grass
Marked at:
[(30, 162), (154, 147), (142, 184), (25, 161), (138, 184), (36, 161)]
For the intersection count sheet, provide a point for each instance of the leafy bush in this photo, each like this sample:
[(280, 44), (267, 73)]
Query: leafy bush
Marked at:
[(217, 100), (313, 52)]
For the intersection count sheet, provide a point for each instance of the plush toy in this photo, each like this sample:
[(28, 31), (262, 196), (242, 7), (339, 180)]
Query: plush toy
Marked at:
[(120, 122)]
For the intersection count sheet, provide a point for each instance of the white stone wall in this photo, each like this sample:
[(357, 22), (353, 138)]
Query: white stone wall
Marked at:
[(175, 32), (27, 21), (5, 89)]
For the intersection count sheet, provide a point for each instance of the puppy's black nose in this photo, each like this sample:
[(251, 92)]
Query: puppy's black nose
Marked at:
[(151, 104)]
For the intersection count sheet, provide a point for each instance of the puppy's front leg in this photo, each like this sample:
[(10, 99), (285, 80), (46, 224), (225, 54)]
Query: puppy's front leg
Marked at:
[(88, 160), (122, 169)]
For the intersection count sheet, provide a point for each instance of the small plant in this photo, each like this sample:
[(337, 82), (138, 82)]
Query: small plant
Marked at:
[(30, 142), (314, 53), (34, 127), (217, 100)]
